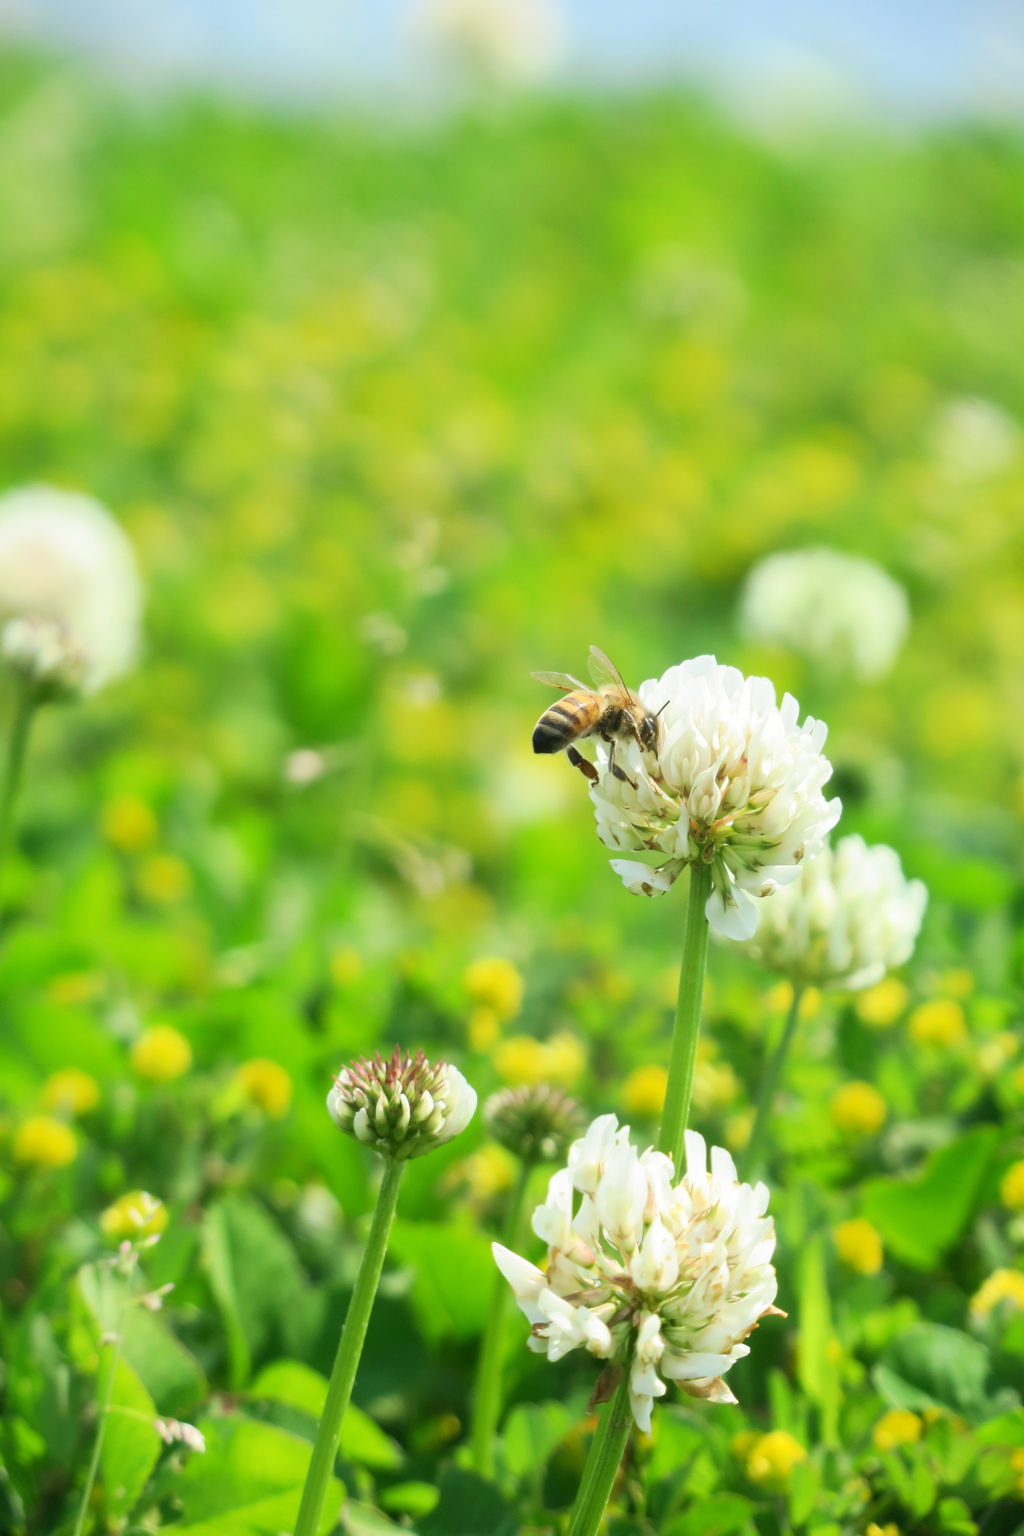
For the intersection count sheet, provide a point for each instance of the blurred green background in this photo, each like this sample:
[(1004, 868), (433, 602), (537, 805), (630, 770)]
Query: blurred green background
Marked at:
[(394, 415)]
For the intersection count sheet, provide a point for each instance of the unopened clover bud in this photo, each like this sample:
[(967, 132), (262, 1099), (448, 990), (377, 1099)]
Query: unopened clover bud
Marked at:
[(537, 1123), (403, 1106), (44, 656)]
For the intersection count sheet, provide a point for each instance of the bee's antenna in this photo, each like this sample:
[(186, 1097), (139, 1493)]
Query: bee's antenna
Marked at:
[(662, 709)]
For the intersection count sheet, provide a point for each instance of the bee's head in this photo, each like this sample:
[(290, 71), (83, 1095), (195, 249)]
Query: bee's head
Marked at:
[(650, 730)]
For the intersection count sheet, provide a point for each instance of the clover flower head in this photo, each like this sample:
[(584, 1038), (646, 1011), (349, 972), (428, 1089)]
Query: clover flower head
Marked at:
[(661, 1277), (848, 917), (135, 1215), (403, 1106), (735, 783), (537, 1122), (69, 572), (840, 610)]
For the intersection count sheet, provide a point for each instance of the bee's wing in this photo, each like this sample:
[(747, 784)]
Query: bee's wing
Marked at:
[(605, 673), (563, 680)]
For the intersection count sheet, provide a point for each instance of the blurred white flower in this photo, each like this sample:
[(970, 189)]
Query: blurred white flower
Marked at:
[(402, 1106), (671, 1276), (43, 654), (304, 766), (736, 784), (974, 438), (172, 1430), (65, 564), (511, 40), (838, 609), (849, 916)]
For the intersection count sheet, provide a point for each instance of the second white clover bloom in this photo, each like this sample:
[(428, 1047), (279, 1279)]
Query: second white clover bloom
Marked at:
[(848, 917), (667, 1277), (840, 610), (737, 783), (70, 594)]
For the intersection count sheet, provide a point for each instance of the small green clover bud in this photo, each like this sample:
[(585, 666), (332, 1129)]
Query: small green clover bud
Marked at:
[(401, 1107), (536, 1123)]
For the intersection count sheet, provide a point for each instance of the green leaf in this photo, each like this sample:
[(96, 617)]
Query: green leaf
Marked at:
[(299, 1386), (719, 1515), (532, 1430), (267, 1517), (410, 1498), (131, 1445), (170, 1373), (804, 1487), (246, 1463), (941, 1364), (817, 1372), (454, 1276), (468, 1506), (921, 1218), (256, 1279), (364, 1520)]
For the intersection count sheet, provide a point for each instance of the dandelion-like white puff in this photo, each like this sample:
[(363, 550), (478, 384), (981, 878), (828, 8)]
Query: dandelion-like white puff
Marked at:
[(736, 783), (70, 594), (840, 610), (668, 1277), (848, 917)]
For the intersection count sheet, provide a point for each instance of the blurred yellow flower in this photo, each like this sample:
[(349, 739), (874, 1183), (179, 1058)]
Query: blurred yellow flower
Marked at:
[(129, 824), (484, 1030), (346, 966), (45, 1142), (495, 983), (566, 1057), (859, 1246), (71, 1092), (1017, 1463), (897, 1427), (161, 1054), (881, 1005), (486, 1172), (938, 1022), (738, 1128), (666, 988), (773, 1457), (1011, 1187), (1003, 1285), (520, 1060), (858, 1109), (164, 879), (996, 1052), (779, 999), (958, 982), (643, 1092), (75, 987), (889, 1529), (715, 1084), (137, 1214), (266, 1085)]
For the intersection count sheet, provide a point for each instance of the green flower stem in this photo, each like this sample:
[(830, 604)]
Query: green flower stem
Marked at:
[(605, 1456), (106, 1393), (24, 713), (753, 1159), (687, 1025), (350, 1347), (489, 1372)]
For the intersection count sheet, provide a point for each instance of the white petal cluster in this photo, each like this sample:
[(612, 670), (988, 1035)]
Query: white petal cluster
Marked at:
[(848, 917), (669, 1277), (507, 40), (737, 783), (842, 611), (68, 569)]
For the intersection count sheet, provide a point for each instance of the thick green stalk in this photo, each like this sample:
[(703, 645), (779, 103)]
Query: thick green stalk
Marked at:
[(16, 745), (606, 1451), (489, 1372), (753, 1158), (687, 1026), (350, 1347)]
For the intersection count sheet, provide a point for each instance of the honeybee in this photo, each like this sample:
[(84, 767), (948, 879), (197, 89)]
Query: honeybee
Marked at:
[(609, 710)]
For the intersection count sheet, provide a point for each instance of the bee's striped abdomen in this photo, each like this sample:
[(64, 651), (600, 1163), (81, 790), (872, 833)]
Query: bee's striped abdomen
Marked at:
[(558, 727)]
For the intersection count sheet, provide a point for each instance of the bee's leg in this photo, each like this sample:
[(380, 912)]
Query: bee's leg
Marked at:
[(583, 764), (618, 772)]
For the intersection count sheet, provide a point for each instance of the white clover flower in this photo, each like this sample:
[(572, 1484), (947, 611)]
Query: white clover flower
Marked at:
[(975, 439), (669, 1277), (402, 1106), (67, 569), (840, 610), (509, 40), (736, 783), (848, 917)]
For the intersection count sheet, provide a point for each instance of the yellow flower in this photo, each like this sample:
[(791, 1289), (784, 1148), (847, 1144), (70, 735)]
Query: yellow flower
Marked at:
[(266, 1085), (859, 1246), (129, 824), (779, 998), (161, 1054), (1003, 1285), (897, 1427), (565, 1058), (346, 966), (939, 1022), (1011, 1189), (994, 1053), (773, 1458), (643, 1092), (715, 1084), (46, 1142), (889, 1529), (495, 983), (881, 1005), (484, 1030), (487, 1172), (1017, 1463), (164, 879), (138, 1214), (520, 1060), (743, 1443), (71, 1092), (858, 1109), (738, 1128)]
